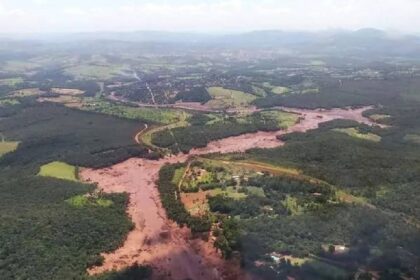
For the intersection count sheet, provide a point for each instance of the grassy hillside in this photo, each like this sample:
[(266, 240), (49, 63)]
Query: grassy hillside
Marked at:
[(59, 170)]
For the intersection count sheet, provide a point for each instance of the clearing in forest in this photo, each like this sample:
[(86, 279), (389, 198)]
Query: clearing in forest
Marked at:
[(276, 89), (19, 66), (11, 81), (95, 71), (379, 117), (228, 98), (7, 147), (8, 102), (354, 132), (280, 90), (59, 170), (26, 92), (160, 115), (413, 138), (284, 119)]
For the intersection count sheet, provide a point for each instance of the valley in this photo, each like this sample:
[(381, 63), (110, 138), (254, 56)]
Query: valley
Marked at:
[(159, 242), (262, 155)]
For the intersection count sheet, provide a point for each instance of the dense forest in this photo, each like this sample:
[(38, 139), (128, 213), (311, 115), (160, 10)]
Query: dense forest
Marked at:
[(335, 93), (371, 235), (42, 234), (360, 165), (53, 132), (384, 173)]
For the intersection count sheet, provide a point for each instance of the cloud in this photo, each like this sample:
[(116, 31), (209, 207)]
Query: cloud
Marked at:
[(41, 2), (217, 15), (74, 11)]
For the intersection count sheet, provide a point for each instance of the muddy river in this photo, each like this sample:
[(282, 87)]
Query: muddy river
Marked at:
[(159, 242)]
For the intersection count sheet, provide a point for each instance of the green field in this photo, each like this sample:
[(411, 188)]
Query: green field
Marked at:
[(162, 116), (178, 175), (316, 62), (227, 98), (59, 170), (256, 191), (283, 119), (413, 138), (379, 117), (310, 90), (259, 91), (11, 81), (8, 101), (7, 147), (229, 192), (354, 132), (280, 90), (18, 66), (291, 204), (80, 201), (93, 71), (275, 88)]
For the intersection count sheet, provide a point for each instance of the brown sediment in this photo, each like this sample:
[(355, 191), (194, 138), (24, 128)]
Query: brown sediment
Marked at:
[(157, 241), (309, 119)]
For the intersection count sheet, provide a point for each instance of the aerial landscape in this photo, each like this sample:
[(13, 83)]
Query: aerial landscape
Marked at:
[(275, 151)]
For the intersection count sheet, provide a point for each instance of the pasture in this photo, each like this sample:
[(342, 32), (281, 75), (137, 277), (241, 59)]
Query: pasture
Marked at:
[(379, 117), (26, 92), (18, 66), (354, 132), (283, 119), (95, 71), (228, 98), (178, 174), (67, 91), (80, 201), (59, 170), (280, 90), (11, 81), (70, 101), (230, 192), (8, 102), (160, 115), (412, 138), (7, 147)]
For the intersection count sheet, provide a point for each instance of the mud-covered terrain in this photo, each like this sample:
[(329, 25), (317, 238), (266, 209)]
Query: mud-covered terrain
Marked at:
[(159, 242)]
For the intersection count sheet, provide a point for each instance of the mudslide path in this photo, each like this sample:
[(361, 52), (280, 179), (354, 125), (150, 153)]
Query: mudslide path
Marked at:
[(157, 241)]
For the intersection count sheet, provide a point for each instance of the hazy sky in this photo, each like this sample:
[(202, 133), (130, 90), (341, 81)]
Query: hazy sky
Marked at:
[(206, 15)]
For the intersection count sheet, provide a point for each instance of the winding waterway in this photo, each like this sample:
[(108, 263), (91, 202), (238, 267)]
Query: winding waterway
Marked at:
[(159, 242)]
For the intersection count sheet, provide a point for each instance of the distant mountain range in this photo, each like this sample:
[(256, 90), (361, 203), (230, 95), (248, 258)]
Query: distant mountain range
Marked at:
[(364, 42)]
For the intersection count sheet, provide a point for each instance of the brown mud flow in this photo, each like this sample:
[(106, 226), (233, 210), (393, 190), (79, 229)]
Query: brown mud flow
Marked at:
[(161, 243)]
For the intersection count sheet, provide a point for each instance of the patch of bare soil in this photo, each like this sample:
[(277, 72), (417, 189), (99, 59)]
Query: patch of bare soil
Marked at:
[(157, 241), (195, 203), (168, 249)]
